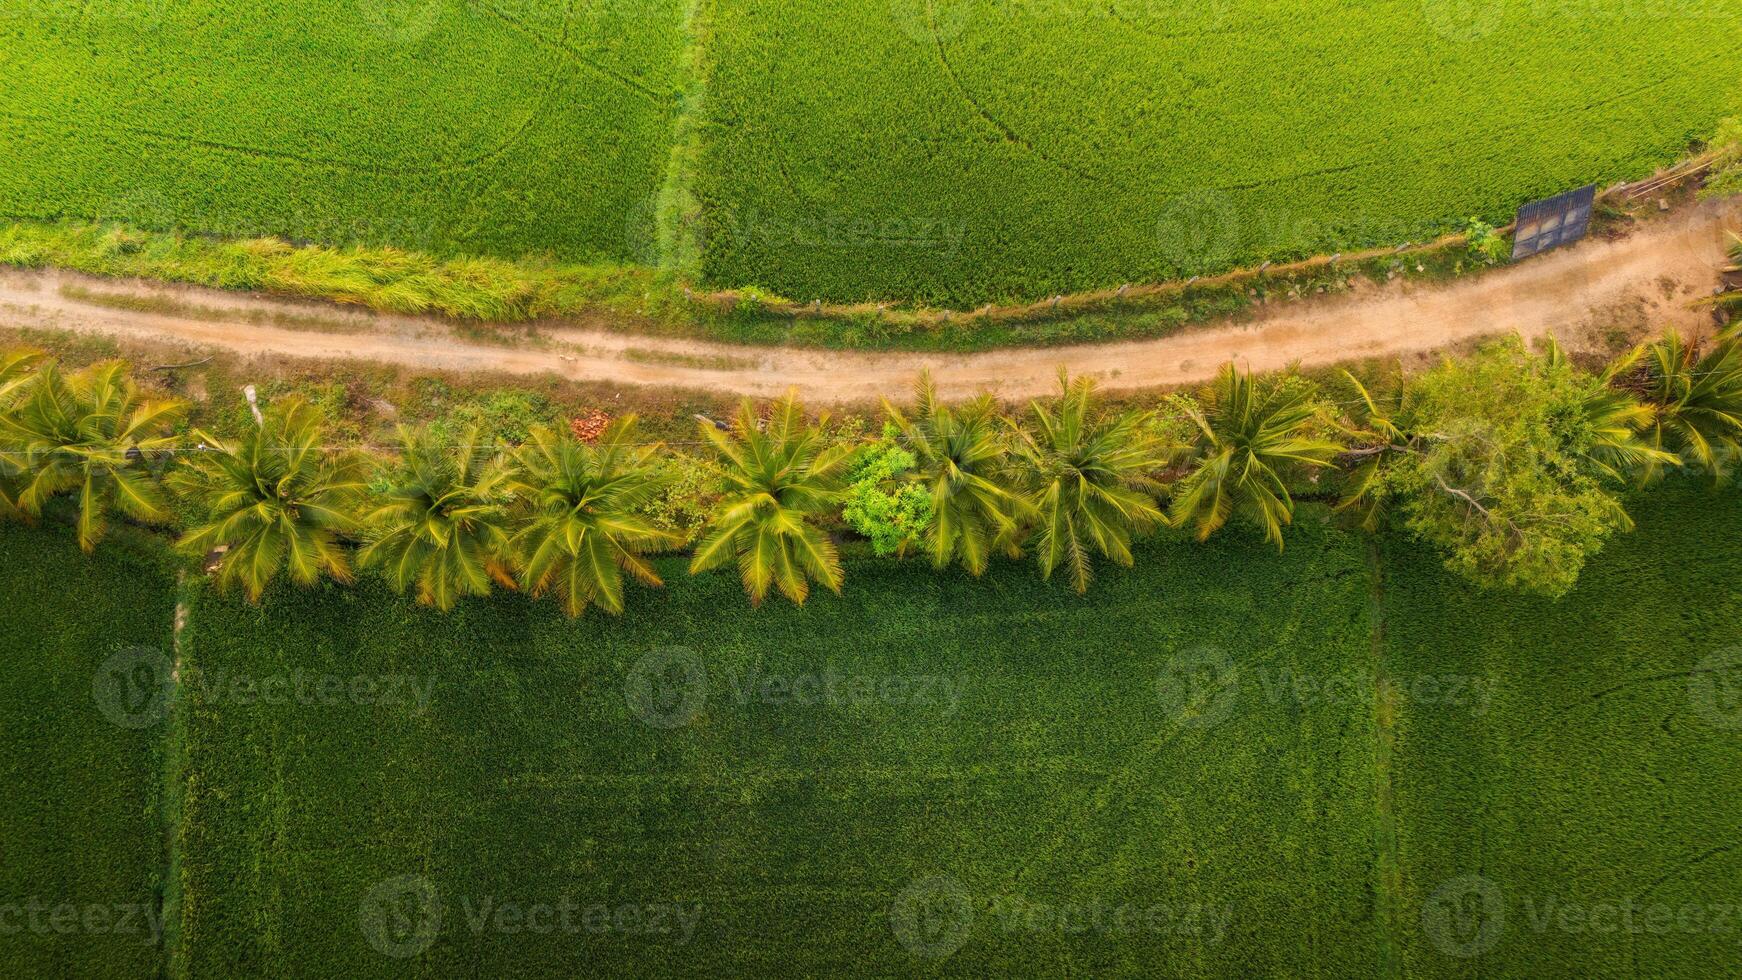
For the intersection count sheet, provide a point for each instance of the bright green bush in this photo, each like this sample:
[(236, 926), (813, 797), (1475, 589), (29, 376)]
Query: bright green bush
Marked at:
[(891, 511), (1487, 245)]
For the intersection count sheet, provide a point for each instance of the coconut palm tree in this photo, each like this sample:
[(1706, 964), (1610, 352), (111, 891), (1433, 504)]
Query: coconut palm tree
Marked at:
[(1612, 422), (443, 526), (15, 367), (1378, 437), (277, 500), (1087, 481), (580, 529), (89, 433), (962, 457), (1695, 397), (777, 477), (14, 373), (1248, 436)]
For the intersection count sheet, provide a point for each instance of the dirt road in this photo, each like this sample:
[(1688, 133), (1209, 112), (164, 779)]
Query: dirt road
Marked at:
[(1645, 280)]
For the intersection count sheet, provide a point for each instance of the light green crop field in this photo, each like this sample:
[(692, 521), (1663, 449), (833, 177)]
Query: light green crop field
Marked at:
[(971, 150), (950, 151), (1187, 773), (500, 127)]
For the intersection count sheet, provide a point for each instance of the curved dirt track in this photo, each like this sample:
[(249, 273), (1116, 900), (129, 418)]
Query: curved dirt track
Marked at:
[(1647, 279)]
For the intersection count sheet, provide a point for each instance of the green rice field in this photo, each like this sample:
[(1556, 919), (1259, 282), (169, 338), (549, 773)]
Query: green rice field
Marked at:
[(504, 127), (1339, 762), (949, 151)]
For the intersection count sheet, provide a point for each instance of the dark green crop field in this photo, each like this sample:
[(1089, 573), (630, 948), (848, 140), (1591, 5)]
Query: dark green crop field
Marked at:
[(82, 844), (1015, 748), (1587, 823), (971, 150), (503, 127), (1337, 762)]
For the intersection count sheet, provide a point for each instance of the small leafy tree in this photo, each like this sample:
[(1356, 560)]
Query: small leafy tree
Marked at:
[(778, 477), (443, 525), (276, 501), (87, 433), (1486, 244), (1087, 478), (1506, 461), (894, 512), (582, 526), (962, 457), (1249, 436)]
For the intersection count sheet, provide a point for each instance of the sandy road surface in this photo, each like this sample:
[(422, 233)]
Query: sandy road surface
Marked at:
[(1647, 278)]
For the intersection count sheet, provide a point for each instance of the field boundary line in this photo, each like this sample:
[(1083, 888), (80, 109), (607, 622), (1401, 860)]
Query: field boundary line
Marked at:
[(677, 227), (1387, 865), (172, 764)]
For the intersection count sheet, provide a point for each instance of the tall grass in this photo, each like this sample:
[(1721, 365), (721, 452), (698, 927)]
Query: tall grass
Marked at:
[(388, 279)]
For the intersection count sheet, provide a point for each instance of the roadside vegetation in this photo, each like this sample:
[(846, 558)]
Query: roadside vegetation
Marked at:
[(1514, 464)]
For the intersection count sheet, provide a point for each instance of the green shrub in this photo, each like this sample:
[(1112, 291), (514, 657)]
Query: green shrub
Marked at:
[(1487, 245), (892, 512)]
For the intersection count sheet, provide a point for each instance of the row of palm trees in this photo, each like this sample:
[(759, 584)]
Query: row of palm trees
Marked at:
[(1068, 484)]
